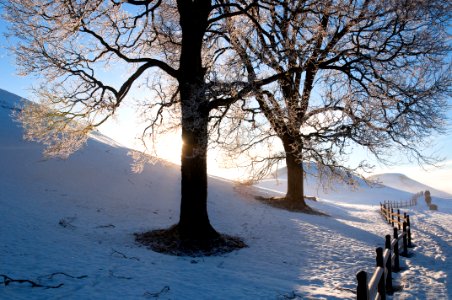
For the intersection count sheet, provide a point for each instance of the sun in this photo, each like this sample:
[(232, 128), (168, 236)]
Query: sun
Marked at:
[(168, 147)]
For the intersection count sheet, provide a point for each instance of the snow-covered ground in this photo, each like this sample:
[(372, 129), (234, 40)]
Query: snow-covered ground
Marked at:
[(403, 182), (72, 222)]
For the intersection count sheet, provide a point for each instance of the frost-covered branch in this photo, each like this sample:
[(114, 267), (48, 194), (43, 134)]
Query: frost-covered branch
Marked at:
[(333, 76)]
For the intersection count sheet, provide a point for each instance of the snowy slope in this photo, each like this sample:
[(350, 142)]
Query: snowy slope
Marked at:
[(404, 183), (72, 222), (360, 193)]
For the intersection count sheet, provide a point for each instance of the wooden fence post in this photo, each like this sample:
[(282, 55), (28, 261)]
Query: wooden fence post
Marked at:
[(388, 264), (398, 218), (388, 214), (392, 215), (396, 251), (381, 282), (386, 211), (362, 292), (405, 240), (409, 231)]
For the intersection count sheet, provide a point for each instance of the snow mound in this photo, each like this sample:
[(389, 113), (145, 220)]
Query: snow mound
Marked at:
[(404, 183)]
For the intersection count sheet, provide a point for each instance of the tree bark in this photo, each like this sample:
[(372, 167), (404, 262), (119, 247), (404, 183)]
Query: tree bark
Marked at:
[(194, 222), (295, 184)]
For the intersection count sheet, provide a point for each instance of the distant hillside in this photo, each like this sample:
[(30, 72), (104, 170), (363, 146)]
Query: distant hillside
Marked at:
[(394, 181), (313, 175), (8, 103), (404, 183), (8, 100)]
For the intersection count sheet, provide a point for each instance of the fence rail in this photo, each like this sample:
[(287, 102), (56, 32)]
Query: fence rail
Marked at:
[(387, 260), (407, 203), (396, 219)]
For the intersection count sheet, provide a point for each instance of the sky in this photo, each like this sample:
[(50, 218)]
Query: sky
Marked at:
[(125, 129)]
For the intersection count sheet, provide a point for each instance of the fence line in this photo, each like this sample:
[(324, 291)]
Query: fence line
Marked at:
[(387, 260), (396, 219), (404, 204)]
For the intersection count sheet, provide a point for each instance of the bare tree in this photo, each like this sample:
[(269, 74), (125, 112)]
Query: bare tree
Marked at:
[(368, 74), (73, 44)]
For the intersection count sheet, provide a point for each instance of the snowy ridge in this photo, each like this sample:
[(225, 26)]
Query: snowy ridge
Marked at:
[(394, 181), (8, 99), (72, 222), (404, 183)]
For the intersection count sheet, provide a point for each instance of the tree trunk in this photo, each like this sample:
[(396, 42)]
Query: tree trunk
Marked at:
[(194, 222), (295, 187)]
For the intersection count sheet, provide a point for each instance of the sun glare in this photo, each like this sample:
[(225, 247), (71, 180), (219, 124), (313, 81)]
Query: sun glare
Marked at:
[(169, 147)]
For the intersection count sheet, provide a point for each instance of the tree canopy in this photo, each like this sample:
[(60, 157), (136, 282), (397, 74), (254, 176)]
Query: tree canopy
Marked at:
[(351, 74), (325, 75), (71, 44)]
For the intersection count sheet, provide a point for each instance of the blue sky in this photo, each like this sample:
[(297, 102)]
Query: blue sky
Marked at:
[(8, 75), (442, 145)]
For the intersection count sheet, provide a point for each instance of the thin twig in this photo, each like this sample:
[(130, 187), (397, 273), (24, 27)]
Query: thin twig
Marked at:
[(123, 255), (164, 290), (7, 280), (112, 274), (50, 276)]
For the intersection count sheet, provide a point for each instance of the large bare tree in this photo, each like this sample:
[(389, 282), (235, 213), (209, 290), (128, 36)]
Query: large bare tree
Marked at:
[(350, 74), (77, 45)]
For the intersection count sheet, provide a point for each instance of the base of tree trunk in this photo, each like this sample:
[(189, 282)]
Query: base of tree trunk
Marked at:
[(290, 204), (169, 241)]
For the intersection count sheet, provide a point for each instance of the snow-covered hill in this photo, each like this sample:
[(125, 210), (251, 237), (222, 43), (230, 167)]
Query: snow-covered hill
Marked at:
[(404, 183), (71, 222), (379, 188)]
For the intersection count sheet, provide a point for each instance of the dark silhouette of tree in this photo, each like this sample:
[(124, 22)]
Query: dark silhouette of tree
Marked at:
[(71, 44)]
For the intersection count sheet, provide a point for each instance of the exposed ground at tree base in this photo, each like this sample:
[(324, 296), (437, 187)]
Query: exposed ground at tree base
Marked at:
[(169, 241), (290, 205)]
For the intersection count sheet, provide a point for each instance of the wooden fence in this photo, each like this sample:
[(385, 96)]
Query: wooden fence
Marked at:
[(396, 219), (401, 204), (388, 260)]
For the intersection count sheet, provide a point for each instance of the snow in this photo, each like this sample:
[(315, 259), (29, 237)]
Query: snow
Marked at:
[(404, 183), (76, 218)]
